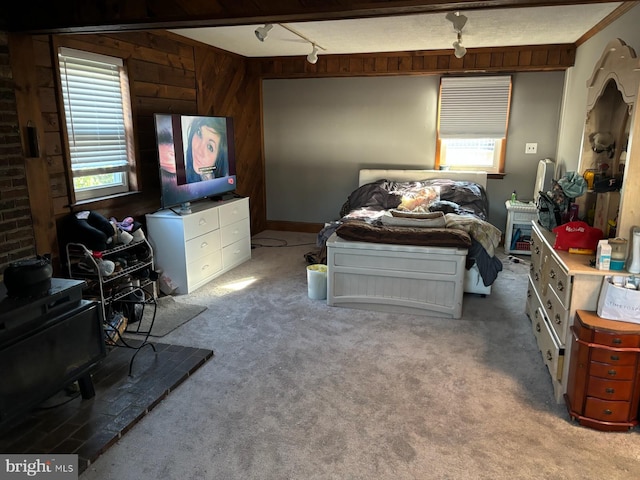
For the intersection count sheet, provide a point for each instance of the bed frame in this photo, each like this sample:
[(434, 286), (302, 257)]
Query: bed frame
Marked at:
[(402, 278)]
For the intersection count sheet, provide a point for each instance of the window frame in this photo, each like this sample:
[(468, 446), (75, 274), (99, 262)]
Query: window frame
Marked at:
[(500, 140), (129, 170)]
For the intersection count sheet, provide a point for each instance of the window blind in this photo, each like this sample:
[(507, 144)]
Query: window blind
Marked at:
[(94, 112), (474, 107)]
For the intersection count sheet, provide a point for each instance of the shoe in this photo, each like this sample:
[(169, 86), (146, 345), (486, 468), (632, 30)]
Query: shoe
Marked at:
[(87, 266)]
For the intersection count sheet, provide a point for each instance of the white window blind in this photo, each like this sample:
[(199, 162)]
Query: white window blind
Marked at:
[(474, 107), (93, 104)]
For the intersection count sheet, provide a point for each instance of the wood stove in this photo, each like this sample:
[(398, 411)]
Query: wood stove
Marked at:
[(46, 344)]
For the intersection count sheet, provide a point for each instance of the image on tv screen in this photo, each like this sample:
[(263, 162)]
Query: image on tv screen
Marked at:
[(196, 157)]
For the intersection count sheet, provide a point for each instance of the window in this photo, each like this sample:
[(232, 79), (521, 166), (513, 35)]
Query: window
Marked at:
[(473, 114), (98, 126)]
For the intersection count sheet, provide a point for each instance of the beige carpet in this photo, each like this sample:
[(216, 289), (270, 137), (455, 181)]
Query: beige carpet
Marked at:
[(169, 315), (301, 390)]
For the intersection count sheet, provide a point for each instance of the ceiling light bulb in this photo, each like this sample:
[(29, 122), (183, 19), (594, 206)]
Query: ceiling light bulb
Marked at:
[(313, 56), (262, 32), (458, 49)]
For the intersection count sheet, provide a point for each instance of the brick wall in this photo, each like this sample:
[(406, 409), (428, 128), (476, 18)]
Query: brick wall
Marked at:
[(17, 239)]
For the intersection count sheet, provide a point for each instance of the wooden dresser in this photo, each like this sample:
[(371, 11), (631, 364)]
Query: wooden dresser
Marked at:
[(603, 387), (559, 284)]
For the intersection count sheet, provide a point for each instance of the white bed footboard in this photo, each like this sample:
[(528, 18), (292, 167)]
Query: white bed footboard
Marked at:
[(395, 278)]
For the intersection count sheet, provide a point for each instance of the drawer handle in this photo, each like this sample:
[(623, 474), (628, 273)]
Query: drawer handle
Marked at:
[(528, 293), (204, 245), (612, 373), (552, 274), (607, 412), (531, 267), (538, 327), (616, 341), (549, 304), (537, 249), (202, 222), (560, 286), (615, 358), (537, 277), (205, 267), (549, 355), (558, 319), (610, 390)]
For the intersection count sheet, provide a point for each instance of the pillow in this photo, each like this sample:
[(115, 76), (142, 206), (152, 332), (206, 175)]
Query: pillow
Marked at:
[(420, 199), (409, 219)]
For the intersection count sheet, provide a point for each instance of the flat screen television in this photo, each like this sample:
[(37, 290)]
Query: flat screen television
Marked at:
[(196, 157)]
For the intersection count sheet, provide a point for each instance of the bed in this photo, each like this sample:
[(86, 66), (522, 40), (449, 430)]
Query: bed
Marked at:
[(386, 253)]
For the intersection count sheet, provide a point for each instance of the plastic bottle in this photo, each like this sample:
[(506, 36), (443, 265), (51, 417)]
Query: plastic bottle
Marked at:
[(514, 197)]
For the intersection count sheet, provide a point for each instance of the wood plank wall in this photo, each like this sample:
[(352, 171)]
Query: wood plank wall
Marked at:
[(534, 58), (166, 76)]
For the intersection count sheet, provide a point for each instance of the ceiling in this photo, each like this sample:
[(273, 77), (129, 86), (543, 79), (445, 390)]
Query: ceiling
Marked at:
[(431, 31)]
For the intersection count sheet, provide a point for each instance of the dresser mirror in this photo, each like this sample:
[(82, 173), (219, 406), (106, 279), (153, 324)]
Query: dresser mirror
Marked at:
[(606, 155)]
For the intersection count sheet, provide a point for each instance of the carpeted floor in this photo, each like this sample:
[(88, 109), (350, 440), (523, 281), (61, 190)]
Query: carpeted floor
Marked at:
[(302, 390), (66, 423)]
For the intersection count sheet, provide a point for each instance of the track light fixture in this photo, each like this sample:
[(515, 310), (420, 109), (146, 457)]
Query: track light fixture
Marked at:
[(262, 32), (459, 21), (313, 56)]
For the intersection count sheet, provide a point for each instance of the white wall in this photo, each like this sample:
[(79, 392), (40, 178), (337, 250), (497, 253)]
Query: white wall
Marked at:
[(575, 94), (319, 132)]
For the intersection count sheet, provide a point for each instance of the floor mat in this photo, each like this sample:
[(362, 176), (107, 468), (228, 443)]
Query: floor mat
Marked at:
[(66, 423)]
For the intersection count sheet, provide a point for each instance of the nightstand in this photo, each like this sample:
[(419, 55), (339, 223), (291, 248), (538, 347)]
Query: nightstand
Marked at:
[(518, 231)]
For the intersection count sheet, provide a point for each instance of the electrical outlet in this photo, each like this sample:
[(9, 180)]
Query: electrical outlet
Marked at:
[(531, 148)]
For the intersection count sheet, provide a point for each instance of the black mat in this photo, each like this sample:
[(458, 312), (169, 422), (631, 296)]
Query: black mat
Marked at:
[(66, 423)]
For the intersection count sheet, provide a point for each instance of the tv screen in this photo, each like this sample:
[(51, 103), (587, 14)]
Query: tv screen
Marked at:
[(196, 157)]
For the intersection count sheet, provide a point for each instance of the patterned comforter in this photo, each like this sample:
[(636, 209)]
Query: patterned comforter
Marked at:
[(464, 204)]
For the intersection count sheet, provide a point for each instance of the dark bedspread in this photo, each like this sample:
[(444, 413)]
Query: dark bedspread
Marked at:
[(464, 203)]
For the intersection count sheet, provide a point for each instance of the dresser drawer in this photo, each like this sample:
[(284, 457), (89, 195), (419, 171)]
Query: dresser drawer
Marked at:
[(613, 372), (556, 313), (610, 389), (616, 340), (536, 251), (549, 345), (233, 212), (202, 268), (559, 281), (608, 411), (533, 303), (612, 357), (199, 223), (234, 232), (202, 246), (236, 253), (535, 274)]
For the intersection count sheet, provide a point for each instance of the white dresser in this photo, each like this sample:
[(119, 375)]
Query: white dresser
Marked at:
[(195, 248), (559, 284)]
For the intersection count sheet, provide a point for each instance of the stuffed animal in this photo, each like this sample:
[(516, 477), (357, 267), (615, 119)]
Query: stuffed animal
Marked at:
[(602, 142)]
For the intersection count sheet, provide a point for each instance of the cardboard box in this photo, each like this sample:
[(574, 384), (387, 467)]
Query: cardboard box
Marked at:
[(603, 255)]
